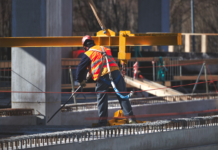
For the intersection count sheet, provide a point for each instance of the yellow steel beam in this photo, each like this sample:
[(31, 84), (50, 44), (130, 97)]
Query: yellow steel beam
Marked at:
[(75, 41), (126, 38), (124, 53)]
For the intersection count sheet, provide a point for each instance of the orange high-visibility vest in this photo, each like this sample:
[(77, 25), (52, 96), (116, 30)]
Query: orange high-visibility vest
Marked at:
[(96, 61)]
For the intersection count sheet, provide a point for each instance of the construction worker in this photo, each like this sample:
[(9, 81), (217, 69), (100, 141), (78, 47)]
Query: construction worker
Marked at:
[(92, 60)]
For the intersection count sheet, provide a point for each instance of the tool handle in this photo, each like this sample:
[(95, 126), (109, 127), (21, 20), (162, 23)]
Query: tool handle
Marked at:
[(64, 104), (55, 114)]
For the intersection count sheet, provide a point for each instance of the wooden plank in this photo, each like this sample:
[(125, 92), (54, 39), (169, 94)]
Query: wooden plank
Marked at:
[(70, 61), (213, 61), (171, 48), (167, 83), (199, 34), (151, 87), (214, 77), (5, 64)]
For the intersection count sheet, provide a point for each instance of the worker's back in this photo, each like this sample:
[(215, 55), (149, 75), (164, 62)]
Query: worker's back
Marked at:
[(94, 53)]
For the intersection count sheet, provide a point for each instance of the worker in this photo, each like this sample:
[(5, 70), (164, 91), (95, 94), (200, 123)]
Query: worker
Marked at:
[(92, 61)]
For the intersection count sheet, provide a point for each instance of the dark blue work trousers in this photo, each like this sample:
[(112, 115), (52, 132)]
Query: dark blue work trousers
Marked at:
[(102, 98)]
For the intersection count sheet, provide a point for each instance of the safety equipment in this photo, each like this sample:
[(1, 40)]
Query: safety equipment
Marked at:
[(132, 121), (120, 119), (108, 82), (106, 57), (88, 76), (83, 83), (97, 60), (87, 37)]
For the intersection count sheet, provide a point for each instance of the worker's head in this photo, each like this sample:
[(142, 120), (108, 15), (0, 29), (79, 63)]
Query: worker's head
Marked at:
[(87, 42)]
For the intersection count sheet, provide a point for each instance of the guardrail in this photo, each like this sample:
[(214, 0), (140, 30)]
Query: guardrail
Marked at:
[(16, 112), (90, 134), (187, 41)]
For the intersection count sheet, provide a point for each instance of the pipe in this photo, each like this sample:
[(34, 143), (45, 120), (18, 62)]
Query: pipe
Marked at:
[(198, 78), (72, 84), (205, 73), (192, 25)]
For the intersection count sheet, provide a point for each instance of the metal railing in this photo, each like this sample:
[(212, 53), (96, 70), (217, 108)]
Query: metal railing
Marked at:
[(172, 65), (5, 73), (16, 112), (205, 43)]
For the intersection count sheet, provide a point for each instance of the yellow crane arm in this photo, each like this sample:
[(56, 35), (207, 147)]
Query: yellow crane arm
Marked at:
[(75, 41)]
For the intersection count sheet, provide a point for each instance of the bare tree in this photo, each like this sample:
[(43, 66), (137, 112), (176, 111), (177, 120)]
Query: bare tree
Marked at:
[(123, 15), (206, 20), (116, 14), (5, 26)]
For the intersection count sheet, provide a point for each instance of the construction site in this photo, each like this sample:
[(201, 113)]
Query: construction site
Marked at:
[(166, 52)]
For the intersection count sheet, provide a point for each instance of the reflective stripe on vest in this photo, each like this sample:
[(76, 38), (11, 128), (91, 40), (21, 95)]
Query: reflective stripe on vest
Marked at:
[(96, 60), (93, 71)]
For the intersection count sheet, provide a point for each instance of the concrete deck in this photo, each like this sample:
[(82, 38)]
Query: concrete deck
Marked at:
[(182, 134), (79, 117), (181, 140), (7, 131)]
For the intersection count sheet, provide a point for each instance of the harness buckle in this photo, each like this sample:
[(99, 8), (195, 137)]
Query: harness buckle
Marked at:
[(110, 77), (104, 54)]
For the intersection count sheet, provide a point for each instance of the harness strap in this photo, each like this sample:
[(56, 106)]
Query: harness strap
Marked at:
[(101, 68), (109, 82), (103, 60), (105, 57)]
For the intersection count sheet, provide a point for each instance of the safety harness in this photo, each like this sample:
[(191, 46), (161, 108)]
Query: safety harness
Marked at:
[(111, 82)]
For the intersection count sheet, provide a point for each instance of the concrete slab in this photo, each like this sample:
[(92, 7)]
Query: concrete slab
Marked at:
[(18, 120), (79, 117), (7, 131), (203, 147), (153, 141)]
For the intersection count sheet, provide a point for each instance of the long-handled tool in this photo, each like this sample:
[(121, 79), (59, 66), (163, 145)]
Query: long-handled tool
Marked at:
[(64, 103)]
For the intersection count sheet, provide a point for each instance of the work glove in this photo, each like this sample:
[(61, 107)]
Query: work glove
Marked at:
[(88, 76), (83, 83)]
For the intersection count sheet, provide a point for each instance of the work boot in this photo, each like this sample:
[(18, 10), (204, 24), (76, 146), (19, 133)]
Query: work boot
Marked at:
[(132, 121)]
